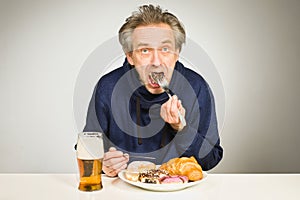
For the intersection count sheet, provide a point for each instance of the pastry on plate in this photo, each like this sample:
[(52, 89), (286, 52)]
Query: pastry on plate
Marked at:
[(184, 166), (136, 167)]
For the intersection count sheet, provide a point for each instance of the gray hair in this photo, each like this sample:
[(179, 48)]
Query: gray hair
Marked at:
[(148, 15)]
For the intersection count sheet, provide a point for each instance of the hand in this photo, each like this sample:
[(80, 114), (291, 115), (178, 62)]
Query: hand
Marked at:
[(169, 112), (114, 161)]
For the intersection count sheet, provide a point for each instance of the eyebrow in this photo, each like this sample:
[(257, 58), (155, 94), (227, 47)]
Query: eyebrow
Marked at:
[(142, 44), (167, 41)]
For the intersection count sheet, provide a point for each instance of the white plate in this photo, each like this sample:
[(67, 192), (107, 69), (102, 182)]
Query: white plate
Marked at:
[(161, 187)]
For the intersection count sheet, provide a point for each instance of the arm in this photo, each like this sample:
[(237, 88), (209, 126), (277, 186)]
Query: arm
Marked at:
[(113, 161), (200, 138)]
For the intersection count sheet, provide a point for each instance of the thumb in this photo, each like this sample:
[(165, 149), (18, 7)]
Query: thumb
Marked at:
[(112, 149)]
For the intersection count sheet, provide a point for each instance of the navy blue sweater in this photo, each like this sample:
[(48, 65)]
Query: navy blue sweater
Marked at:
[(129, 116)]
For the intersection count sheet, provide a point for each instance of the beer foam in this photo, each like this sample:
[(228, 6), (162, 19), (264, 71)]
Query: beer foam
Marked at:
[(90, 148)]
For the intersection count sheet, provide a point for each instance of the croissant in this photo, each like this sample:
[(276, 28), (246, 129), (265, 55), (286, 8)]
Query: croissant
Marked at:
[(184, 166)]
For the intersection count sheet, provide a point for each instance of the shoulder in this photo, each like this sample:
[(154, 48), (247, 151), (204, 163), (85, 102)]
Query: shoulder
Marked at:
[(195, 79), (107, 82), (200, 87), (111, 78)]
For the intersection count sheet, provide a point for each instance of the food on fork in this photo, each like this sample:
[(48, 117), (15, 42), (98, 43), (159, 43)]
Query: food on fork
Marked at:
[(156, 76), (136, 167), (184, 166)]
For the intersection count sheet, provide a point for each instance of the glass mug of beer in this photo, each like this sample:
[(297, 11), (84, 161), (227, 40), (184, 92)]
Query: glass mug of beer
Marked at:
[(90, 154)]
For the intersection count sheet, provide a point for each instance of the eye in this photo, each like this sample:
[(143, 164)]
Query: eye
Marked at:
[(165, 49), (144, 51)]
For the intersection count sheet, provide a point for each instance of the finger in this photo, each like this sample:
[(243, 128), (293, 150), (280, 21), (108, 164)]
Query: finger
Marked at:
[(175, 97), (166, 111), (181, 108), (114, 172), (112, 149), (173, 112), (167, 106), (115, 169), (113, 161), (111, 173), (119, 165), (108, 171), (174, 107), (112, 154), (179, 105), (182, 111), (122, 168), (126, 155)]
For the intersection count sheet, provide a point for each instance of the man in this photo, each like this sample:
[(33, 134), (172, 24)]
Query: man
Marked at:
[(135, 113)]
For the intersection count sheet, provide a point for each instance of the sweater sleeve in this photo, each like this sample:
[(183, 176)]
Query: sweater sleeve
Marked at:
[(97, 115), (92, 123), (200, 138)]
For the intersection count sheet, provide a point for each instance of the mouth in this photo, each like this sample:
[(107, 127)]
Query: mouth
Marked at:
[(154, 77)]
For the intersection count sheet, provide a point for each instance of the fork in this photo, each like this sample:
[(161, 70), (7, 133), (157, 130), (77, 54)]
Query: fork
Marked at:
[(140, 157), (163, 83)]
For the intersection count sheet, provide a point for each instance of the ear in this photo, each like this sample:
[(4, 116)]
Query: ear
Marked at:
[(129, 58)]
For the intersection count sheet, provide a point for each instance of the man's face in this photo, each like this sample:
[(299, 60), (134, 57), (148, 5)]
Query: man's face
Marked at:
[(153, 51)]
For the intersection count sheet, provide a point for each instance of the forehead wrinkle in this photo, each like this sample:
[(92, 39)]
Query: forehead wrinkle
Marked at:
[(167, 41), (151, 35)]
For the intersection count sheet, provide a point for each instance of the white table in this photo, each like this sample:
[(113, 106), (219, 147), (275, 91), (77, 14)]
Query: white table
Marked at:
[(216, 186)]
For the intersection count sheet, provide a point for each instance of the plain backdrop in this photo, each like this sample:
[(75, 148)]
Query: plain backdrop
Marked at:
[(254, 45)]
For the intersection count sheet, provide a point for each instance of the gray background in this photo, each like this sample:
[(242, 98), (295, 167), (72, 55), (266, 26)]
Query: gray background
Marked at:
[(254, 45)]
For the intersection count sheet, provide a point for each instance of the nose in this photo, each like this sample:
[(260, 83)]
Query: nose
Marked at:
[(156, 60)]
